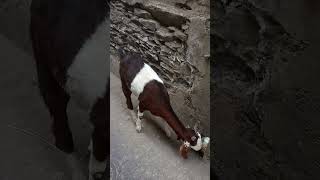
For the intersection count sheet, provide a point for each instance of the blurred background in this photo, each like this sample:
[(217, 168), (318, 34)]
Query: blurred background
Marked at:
[(265, 89)]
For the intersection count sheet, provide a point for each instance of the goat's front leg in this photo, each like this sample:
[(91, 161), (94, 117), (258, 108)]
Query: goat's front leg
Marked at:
[(167, 129), (139, 120), (100, 147), (127, 93)]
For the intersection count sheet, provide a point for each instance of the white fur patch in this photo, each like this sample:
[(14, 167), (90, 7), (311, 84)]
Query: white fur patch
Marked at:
[(205, 140), (88, 75), (198, 146), (145, 75), (186, 143)]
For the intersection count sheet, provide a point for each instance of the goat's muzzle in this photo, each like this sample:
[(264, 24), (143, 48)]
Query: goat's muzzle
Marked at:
[(184, 149)]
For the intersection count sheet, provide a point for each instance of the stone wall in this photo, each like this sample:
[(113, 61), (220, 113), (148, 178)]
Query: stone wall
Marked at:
[(173, 37)]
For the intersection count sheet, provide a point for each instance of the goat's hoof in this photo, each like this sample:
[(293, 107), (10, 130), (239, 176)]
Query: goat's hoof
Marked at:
[(129, 106), (138, 129)]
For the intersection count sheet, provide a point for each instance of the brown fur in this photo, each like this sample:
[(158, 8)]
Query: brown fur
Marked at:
[(184, 151)]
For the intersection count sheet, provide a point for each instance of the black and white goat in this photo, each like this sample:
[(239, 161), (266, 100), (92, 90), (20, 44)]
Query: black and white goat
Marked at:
[(70, 41), (140, 79)]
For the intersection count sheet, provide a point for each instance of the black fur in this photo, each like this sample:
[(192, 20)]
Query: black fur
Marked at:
[(60, 27), (130, 65)]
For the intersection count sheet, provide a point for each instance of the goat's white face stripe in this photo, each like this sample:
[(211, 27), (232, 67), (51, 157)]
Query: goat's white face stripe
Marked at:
[(145, 75), (88, 75)]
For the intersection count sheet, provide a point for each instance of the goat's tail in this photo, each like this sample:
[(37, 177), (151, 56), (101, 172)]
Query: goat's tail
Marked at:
[(122, 53)]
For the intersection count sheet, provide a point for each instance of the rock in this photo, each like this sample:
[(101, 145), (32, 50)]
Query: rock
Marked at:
[(150, 55), (172, 29), (145, 39), (172, 45), (165, 49), (180, 35), (177, 33), (131, 2), (142, 13), (157, 41), (204, 2), (118, 40), (167, 16), (151, 44), (148, 24), (164, 34), (184, 27), (180, 50)]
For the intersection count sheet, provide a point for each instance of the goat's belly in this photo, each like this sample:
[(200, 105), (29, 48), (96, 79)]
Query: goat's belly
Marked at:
[(88, 75)]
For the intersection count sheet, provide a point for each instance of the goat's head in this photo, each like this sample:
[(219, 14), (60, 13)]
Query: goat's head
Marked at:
[(193, 140)]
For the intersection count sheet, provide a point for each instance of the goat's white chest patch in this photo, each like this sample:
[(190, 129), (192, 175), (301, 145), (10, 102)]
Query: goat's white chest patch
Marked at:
[(89, 72), (145, 75)]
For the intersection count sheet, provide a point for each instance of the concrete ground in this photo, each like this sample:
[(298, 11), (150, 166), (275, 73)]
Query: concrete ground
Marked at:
[(27, 150), (149, 154)]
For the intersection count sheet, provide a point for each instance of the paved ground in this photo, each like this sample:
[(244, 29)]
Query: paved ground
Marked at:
[(146, 155), (27, 151)]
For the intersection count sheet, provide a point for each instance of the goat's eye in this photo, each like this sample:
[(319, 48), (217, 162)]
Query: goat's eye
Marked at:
[(193, 138)]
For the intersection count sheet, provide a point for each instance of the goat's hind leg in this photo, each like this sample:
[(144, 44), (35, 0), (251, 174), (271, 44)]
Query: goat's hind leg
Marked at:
[(56, 99), (100, 147)]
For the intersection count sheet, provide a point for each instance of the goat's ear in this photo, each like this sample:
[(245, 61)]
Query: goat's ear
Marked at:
[(184, 151)]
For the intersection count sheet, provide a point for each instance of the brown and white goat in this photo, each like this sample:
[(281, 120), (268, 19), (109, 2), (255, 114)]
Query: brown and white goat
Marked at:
[(140, 79)]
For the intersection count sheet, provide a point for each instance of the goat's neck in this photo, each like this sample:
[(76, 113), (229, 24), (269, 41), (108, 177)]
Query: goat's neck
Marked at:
[(174, 122)]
